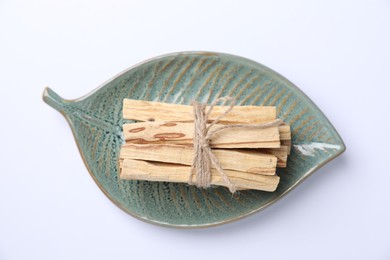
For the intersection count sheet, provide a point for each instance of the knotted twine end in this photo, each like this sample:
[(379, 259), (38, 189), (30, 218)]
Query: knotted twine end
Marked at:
[(204, 159)]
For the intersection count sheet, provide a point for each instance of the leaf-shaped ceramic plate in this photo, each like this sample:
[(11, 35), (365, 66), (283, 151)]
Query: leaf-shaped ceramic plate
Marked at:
[(96, 121)]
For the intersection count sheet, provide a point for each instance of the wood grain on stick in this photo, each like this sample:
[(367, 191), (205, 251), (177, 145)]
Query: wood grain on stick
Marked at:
[(158, 111), (183, 133), (286, 143), (157, 171), (280, 153), (285, 132), (245, 161)]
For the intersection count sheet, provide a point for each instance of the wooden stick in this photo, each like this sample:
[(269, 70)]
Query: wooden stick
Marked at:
[(286, 143), (183, 133), (244, 161), (281, 153), (157, 111), (153, 171), (285, 132)]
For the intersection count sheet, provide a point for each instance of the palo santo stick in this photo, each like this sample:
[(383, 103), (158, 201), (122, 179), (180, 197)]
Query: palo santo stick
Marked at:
[(244, 161), (280, 153), (183, 133), (157, 111), (259, 171), (154, 171), (286, 143), (285, 132)]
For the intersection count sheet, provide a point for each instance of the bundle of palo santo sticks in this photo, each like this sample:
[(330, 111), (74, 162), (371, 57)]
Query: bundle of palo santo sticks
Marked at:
[(160, 147)]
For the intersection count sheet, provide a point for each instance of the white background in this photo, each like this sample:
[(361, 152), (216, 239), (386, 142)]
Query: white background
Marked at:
[(337, 52)]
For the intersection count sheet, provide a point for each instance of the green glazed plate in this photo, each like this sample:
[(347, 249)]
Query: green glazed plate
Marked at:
[(96, 122)]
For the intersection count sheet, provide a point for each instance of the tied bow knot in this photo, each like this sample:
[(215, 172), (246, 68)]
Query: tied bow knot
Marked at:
[(204, 158)]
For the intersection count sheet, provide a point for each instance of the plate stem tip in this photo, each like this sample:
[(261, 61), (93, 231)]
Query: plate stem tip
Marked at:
[(53, 99)]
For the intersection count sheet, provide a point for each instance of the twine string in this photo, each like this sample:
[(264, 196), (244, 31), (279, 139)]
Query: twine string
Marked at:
[(204, 157)]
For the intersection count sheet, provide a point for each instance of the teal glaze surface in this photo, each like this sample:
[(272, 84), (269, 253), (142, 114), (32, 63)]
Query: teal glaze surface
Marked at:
[(96, 122)]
